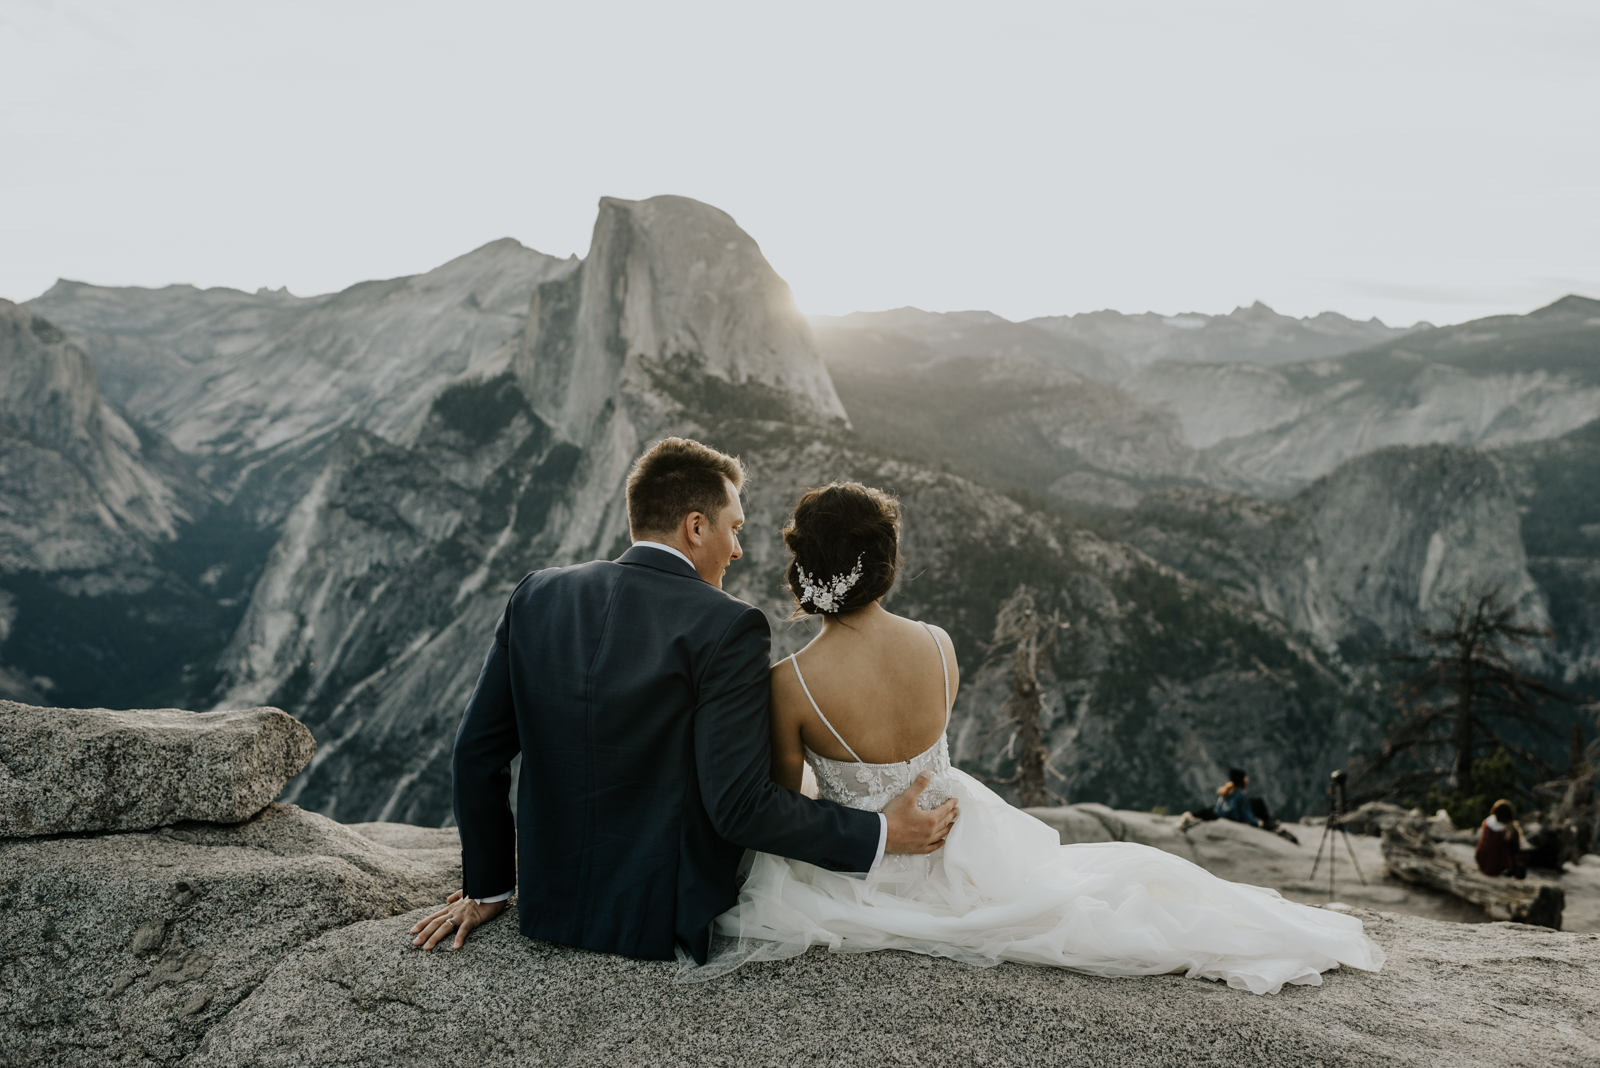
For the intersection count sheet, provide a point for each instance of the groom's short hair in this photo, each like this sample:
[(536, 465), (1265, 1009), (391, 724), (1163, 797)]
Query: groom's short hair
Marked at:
[(677, 476)]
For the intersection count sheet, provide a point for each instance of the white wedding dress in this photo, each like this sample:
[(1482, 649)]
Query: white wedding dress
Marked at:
[(1003, 888)]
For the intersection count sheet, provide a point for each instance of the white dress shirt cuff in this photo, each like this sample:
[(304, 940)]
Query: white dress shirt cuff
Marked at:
[(883, 841), (507, 895)]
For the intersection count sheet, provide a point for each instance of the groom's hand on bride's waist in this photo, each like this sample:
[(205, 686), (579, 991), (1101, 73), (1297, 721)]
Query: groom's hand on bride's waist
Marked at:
[(912, 830)]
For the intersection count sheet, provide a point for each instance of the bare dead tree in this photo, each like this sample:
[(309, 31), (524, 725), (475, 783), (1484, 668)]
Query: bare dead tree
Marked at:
[(1458, 694), (1020, 624)]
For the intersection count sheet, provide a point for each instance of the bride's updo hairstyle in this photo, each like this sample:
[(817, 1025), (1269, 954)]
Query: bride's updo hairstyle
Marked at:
[(834, 527)]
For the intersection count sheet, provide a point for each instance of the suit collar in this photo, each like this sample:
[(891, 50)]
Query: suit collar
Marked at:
[(649, 556)]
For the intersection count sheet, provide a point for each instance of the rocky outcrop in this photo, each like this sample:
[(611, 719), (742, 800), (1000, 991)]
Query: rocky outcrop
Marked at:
[(284, 940), (1410, 853), (1449, 994), (127, 948), (72, 770)]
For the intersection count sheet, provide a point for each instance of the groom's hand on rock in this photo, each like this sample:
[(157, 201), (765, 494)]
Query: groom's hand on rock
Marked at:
[(911, 830), (459, 915)]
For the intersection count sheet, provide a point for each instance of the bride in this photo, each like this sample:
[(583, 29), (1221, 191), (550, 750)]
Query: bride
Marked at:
[(866, 705)]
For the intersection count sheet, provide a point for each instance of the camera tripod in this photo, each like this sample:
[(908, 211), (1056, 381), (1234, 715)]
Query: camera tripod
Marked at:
[(1336, 807)]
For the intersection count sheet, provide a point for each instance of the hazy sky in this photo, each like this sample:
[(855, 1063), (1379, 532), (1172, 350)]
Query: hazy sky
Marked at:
[(1400, 158)]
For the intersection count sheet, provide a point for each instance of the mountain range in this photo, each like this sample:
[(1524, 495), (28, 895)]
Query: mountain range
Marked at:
[(216, 498)]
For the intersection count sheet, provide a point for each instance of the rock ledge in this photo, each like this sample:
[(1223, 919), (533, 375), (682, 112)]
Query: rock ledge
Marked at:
[(1499, 994), (76, 770)]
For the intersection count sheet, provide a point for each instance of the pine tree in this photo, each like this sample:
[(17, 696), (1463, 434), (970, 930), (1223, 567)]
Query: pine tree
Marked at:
[(1458, 697)]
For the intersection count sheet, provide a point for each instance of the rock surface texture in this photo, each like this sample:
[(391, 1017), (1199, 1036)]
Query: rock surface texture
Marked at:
[(74, 770), (1450, 994), (124, 949), (283, 941)]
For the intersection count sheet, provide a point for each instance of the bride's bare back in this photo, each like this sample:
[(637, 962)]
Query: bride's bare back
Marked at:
[(878, 678)]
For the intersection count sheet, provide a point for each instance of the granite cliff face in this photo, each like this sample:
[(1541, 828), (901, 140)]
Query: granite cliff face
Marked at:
[(254, 390), (82, 492), (1363, 557), (241, 376), (1554, 483), (90, 507), (673, 298)]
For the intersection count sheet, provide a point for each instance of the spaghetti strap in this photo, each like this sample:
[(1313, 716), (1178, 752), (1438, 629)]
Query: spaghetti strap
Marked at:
[(944, 666), (818, 711)]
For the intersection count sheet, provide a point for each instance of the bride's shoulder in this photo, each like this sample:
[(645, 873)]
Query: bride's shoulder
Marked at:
[(937, 631), (947, 646), (788, 699), (783, 674)]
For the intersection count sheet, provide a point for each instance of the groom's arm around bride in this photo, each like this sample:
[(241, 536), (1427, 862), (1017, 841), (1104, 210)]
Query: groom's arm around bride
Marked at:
[(637, 693)]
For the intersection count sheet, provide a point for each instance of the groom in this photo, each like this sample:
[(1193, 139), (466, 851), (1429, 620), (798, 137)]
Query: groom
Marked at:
[(636, 692)]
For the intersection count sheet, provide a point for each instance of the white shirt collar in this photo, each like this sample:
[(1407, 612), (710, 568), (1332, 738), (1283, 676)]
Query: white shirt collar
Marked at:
[(669, 549), (1494, 824)]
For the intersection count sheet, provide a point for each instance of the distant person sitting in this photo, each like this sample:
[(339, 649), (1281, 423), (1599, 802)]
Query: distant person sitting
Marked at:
[(1235, 803), (1233, 800), (1499, 849)]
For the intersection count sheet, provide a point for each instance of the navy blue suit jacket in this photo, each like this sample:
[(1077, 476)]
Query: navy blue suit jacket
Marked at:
[(637, 694)]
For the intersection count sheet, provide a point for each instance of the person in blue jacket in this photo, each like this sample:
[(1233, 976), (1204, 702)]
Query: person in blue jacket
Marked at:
[(1233, 799), (1235, 803)]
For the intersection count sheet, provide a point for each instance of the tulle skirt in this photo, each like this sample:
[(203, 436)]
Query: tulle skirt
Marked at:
[(1003, 888)]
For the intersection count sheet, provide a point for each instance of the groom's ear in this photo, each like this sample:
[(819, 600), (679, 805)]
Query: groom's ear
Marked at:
[(694, 527)]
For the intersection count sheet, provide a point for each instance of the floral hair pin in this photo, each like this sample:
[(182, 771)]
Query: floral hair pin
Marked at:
[(829, 595)]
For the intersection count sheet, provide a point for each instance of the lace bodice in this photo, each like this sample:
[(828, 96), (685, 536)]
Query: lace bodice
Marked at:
[(857, 784)]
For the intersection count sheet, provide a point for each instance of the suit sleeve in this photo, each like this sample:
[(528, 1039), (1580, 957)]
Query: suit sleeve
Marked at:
[(481, 777), (733, 756)]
